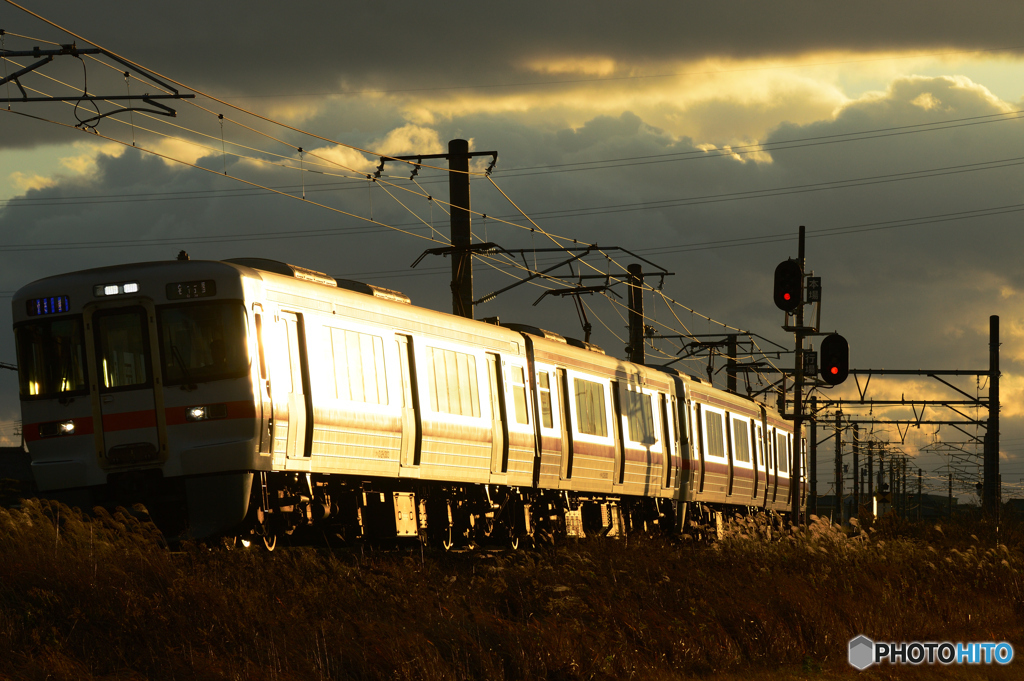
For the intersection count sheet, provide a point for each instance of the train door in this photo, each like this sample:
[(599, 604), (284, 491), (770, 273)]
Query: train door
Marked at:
[(561, 381), (132, 424), (669, 440), (730, 453), (265, 406), (699, 445), (412, 431), (298, 397), (755, 479), (619, 466), (765, 454), (499, 416)]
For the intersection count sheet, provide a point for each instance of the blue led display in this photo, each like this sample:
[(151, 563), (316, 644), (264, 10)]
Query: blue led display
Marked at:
[(51, 305)]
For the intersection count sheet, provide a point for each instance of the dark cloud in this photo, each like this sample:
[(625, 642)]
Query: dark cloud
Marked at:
[(258, 47), (906, 295)]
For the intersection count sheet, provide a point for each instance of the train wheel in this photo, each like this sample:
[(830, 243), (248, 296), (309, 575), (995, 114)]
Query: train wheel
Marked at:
[(270, 541)]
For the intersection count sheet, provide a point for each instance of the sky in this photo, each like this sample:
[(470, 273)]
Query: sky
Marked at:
[(697, 136)]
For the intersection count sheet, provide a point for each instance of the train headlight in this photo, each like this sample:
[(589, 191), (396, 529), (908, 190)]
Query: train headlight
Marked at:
[(206, 412), (55, 428)]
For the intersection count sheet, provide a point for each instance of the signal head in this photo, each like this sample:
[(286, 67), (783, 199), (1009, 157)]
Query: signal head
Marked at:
[(788, 285), (834, 356)]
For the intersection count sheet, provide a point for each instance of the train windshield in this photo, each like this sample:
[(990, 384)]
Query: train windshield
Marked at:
[(202, 342), (51, 358)]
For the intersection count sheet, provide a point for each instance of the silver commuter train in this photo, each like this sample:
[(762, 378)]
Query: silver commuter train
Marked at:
[(251, 398)]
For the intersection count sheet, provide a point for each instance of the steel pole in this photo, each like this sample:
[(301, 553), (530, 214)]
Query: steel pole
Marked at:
[(461, 222)]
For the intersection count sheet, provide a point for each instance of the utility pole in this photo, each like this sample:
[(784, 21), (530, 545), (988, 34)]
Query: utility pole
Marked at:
[(920, 498), (950, 496), (893, 489), (730, 362), (462, 226), (839, 466), (903, 481), (636, 313), (798, 387), (856, 469), (871, 472), (462, 247), (990, 500), (812, 455)]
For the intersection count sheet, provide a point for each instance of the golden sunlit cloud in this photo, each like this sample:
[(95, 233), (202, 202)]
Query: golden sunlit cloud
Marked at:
[(587, 66), (85, 162), (410, 139), (25, 182), (181, 150)]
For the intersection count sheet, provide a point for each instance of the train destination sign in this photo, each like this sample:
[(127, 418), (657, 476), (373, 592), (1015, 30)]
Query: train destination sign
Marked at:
[(191, 289), (51, 305)]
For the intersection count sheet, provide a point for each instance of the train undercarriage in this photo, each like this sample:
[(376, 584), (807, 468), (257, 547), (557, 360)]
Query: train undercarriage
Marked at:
[(445, 515)]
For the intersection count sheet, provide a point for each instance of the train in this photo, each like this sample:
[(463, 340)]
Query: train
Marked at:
[(251, 399)]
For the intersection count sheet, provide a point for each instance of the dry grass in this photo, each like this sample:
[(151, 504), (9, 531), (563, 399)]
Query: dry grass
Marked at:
[(101, 599)]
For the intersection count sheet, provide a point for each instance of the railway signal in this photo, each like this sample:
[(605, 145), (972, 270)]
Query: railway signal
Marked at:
[(834, 354), (788, 279)]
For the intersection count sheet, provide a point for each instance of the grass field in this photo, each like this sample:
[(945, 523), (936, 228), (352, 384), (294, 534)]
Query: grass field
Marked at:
[(100, 599)]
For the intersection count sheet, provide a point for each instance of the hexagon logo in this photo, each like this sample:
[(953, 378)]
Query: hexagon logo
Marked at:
[(862, 652)]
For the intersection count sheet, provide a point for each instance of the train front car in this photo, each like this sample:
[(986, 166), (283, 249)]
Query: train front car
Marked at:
[(136, 385)]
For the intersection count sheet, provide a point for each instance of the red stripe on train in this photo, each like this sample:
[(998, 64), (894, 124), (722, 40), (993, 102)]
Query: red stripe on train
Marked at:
[(133, 420)]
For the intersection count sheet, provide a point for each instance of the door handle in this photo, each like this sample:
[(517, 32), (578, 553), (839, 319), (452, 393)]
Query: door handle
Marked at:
[(108, 398)]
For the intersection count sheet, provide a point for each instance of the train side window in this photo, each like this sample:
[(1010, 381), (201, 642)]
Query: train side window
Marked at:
[(519, 394), (699, 448), (758, 444), (544, 394), (359, 370), (282, 364), (755, 445), (259, 345), (591, 412), (715, 433), (453, 382), (640, 417), (740, 441), (783, 452)]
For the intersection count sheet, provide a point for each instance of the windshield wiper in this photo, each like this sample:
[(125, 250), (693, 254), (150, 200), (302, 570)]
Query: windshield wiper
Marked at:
[(188, 384)]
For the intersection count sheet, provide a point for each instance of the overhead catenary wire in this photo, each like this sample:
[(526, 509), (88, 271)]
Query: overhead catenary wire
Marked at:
[(218, 100), (350, 146)]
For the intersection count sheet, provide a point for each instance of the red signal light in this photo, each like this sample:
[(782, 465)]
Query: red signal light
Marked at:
[(835, 359), (788, 281)]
